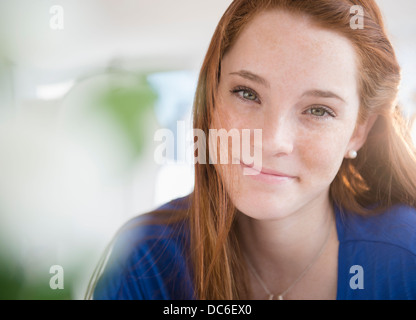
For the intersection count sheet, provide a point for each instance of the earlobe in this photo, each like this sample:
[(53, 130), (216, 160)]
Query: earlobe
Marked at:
[(352, 154), (360, 136)]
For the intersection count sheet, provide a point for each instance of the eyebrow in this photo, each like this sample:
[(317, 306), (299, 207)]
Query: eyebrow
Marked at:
[(322, 94), (251, 76)]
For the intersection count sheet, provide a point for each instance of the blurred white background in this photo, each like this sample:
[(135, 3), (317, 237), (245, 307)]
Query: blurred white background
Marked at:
[(73, 165)]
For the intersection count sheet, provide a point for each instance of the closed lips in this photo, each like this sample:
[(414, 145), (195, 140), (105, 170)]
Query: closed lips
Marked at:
[(267, 171)]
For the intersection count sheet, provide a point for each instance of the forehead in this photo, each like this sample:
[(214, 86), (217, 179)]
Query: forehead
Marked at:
[(280, 45)]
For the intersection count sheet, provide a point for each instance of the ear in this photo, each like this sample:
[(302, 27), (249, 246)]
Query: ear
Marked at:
[(360, 134)]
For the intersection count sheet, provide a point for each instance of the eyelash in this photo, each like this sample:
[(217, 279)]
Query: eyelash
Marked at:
[(239, 89), (327, 110)]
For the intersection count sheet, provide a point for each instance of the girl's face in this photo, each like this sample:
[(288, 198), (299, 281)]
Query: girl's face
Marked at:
[(298, 83)]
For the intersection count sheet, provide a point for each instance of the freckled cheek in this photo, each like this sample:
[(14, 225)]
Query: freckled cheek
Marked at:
[(230, 118), (320, 154)]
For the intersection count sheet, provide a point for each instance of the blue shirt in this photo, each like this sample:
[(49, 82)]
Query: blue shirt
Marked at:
[(376, 259)]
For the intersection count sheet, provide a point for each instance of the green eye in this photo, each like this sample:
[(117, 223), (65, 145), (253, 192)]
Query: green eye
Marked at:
[(245, 94), (319, 112), (249, 95)]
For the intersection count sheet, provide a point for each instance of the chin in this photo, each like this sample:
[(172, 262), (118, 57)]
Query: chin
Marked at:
[(256, 208)]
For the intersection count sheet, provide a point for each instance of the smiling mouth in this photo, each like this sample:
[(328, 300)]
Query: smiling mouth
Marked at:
[(266, 171)]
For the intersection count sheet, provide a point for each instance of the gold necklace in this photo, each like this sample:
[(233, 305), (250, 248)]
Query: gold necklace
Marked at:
[(280, 296)]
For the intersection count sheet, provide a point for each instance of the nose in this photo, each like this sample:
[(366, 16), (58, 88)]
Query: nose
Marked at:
[(278, 135)]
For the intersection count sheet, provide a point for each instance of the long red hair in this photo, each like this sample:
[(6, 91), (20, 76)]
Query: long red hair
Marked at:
[(384, 173)]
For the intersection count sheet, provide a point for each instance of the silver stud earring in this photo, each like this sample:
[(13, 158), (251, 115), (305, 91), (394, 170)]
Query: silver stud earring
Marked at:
[(352, 154)]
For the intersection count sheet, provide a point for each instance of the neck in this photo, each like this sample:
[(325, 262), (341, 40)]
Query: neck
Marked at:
[(281, 249)]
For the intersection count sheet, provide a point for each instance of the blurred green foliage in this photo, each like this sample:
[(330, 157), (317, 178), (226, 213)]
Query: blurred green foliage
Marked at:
[(130, 106), (11, 281), (18, 283)]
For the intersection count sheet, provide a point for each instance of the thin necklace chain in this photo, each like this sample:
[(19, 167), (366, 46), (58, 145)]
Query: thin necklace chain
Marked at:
[(280, 296)]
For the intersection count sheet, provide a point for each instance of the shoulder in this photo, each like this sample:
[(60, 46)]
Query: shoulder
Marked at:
[(148, 255), (394, 226), (164, 222), (377, 254)]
